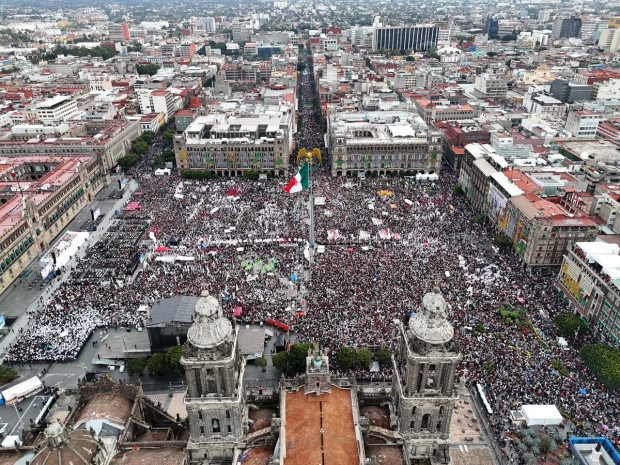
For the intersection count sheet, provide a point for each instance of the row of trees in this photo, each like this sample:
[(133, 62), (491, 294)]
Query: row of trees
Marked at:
[(158, 363), (294, 361), (104, 52), (139, 148)]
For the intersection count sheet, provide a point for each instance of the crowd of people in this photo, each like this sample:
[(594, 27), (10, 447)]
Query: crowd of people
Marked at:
[(387, 241)]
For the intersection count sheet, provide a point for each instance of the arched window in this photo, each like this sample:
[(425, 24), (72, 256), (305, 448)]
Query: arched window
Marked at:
[(227, 413), (413, 425), (442, 410), (426, 419), (199, 415), (413, 412), (215, 425)]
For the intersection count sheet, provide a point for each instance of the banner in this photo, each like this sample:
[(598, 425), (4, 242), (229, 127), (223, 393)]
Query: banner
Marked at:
[(497, 202)]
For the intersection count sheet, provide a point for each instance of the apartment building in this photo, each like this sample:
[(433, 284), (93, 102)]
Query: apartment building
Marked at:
[(156, 101)]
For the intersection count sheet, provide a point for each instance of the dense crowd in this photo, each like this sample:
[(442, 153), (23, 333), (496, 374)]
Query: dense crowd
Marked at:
[(388, 242)]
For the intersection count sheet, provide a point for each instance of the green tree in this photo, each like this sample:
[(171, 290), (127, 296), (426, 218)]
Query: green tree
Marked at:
[(604, 361), (491, 54), (251, 175), (384, 357), (139, 146), (261, 362), (128, 161), (489, 366), (148, 136), (280, 360), (501, 242), (168, 135), (136, 366), (173, 359), (150, 69), (509, 37), (458, 189), (569, 325), (7, 373), (156, 364), (364, 358), (410, 58), (297, 357), (508, 62), (301, 66), (196, 174), (345, 357)]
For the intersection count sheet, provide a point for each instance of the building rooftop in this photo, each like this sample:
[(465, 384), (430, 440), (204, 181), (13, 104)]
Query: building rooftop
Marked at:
[(304, 416)]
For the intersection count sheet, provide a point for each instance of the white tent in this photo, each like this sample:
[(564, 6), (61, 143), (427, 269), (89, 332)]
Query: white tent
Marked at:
[(162, 172), (26, 388), (541, 415)]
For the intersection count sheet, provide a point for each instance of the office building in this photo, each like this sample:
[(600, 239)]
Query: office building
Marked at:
[(56, 109), (610, 40), (208, 24), (583, 124), (566, 28), (491, 27), (570, 92), (417, 38), (490, 86), (156, 101), (118, 32)]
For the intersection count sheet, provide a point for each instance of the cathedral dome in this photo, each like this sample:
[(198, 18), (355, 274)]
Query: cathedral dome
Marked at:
[(430, 324), (210, 328)]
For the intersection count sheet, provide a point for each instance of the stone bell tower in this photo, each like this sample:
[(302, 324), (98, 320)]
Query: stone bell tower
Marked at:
[(423, 392), (215, 397)]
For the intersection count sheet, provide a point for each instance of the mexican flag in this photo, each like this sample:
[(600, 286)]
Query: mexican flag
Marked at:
[(299, 182)]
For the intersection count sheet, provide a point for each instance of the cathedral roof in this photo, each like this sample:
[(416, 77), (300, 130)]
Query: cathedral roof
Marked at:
[(79, 447), (210, 328), (431, 323)]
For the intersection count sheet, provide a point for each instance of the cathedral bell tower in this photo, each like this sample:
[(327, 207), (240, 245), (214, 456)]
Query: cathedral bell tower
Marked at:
[(423, 392), (215, 398)]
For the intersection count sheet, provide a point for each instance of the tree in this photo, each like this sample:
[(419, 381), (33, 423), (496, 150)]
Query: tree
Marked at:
[(345, 357), (604, 361), (570, 325), (297, 357), (491, 54), (364, 358), (489, 366), (280, 360), (547, 445), (148, 136), (156, 364), (508, 62), (384, 357), (150, 69), (261, 362), (509, 37), (501, 242), (410, 58), (301, 66), (168, 135), (458, 189), (7, 373), (173, 359), (139, 146), (251, 175), (136, 366), (128, 161)]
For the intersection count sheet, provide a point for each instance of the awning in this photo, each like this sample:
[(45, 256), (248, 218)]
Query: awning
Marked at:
[(279, 325), (17, 252), (38, 231), (13, 256), (162, 249), (2, 265)]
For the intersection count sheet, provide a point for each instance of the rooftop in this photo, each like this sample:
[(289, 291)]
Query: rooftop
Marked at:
[(304, 414)]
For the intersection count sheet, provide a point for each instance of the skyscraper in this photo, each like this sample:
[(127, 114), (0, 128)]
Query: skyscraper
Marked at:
[(419, 37)]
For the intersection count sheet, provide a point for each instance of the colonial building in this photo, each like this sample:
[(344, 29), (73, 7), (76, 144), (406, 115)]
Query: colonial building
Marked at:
[(39, 196), (423, 392), (215, 398), (382, 142), (230, 145)]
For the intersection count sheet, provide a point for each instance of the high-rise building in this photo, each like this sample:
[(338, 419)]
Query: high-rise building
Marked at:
[(215, 398), (423, 392), (491, 27), (610, 39), (118, 32), (208, 24), (566, 27), (419, 37)]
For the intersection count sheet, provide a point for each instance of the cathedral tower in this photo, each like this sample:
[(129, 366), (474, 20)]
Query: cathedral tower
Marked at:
[(215, 398), (423, 392)]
